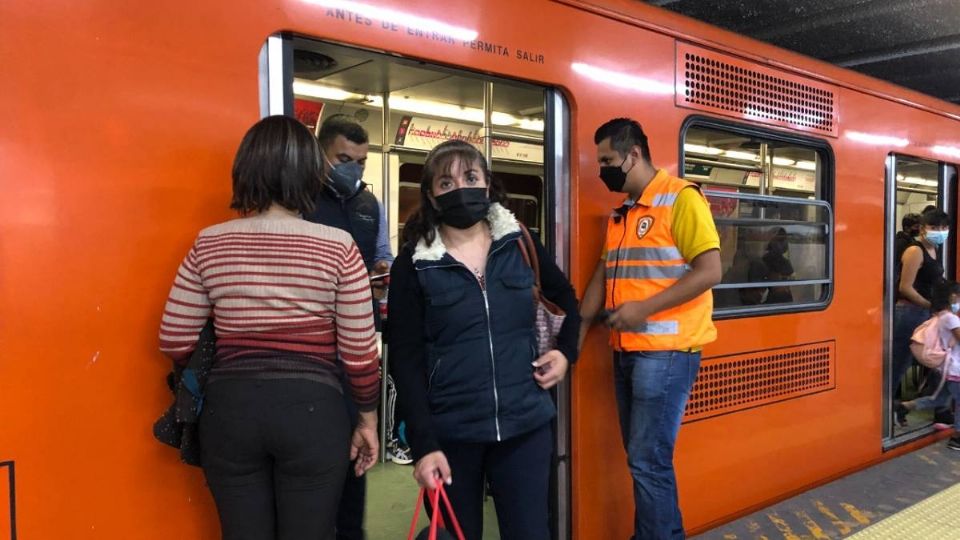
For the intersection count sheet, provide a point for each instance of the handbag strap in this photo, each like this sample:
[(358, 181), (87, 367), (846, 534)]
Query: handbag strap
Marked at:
[(529, 252), (453, 517), (437, 519)]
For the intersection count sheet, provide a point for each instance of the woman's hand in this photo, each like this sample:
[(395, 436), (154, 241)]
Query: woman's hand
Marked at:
[(365, 444), (430, 468), (550, 369)]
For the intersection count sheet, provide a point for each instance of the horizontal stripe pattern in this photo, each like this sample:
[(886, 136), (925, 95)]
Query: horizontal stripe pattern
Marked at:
[(672, 271), (277, 287), (665, 199), (657, 328), (645, 254)]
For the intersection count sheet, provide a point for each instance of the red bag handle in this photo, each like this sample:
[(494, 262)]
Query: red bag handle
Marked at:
[(437, 519)]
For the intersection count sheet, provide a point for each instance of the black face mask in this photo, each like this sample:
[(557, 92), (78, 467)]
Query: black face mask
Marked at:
[(463, 208), (614, 177)]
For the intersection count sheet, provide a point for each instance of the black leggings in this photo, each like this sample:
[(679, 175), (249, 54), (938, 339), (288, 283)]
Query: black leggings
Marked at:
[(275, 454), (519, 474)]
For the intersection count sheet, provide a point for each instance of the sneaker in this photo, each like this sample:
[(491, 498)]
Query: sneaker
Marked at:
[(901, 414), (954, 443), (943, 416), (399, 454)]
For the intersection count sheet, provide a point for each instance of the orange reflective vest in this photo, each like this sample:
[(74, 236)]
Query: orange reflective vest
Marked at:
[(643, 260)]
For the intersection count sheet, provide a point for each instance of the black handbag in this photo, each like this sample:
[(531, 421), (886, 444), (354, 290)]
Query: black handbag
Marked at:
[(177, 426)]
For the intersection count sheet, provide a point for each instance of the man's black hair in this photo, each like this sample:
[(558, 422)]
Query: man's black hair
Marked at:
[(624, 134)]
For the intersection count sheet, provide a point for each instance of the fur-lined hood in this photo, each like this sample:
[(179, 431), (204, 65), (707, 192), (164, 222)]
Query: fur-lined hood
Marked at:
[(502, 222)]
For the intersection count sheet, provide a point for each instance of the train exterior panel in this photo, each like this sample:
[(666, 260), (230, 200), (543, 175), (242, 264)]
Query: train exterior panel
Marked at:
[(120, 129)]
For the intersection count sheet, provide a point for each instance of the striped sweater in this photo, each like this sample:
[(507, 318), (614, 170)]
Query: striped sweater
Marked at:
[(286, 295)]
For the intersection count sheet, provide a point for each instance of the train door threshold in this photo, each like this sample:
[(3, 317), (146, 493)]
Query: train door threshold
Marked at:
[(900, 498)]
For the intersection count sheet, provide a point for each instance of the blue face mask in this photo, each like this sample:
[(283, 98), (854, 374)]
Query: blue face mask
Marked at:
[(345, 179), (955, 307), (937, 238)]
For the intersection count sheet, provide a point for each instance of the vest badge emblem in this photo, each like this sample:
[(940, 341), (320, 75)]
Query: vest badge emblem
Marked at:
[(644, 226)]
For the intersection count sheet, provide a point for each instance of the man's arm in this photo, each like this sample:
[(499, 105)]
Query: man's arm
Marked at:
[(383, 252), (592, 300), (383, 256)]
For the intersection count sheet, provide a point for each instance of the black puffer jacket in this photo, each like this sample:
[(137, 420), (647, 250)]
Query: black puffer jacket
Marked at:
[(461, 353)]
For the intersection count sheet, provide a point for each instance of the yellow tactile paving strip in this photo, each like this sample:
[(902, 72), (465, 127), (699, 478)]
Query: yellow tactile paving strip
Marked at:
[(935, 518), (886, 501)]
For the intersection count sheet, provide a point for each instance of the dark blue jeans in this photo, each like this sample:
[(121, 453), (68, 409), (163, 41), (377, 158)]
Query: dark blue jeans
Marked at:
[(652, 391), (906, 319), (519, 473)]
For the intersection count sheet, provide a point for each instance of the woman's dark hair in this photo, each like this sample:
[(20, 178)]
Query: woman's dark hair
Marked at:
[(910, 221), (940, 297), (278, 162), (424, 222), (936, 218)]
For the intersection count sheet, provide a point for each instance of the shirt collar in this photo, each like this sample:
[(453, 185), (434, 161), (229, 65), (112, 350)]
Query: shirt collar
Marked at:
[(651, 191)]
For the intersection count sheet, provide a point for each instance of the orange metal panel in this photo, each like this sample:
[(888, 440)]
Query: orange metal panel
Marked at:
[(8, 511), (120, 128)]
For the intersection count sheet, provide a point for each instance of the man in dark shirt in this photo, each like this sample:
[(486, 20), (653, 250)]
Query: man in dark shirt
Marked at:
[(347, 204), (910, 225)]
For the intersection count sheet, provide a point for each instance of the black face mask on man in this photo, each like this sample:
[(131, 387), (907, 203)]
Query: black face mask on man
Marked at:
[(614, 176), (345, 179), (463, 208)]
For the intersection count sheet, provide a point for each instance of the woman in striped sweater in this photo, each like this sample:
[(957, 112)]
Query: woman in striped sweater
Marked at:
[(291, 305)]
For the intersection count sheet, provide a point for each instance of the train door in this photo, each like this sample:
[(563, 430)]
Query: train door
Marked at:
[(913, 186), (407, 108)]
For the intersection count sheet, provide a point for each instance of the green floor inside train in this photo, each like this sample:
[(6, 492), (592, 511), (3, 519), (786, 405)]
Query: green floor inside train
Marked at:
[(912, 388), (391, 495)]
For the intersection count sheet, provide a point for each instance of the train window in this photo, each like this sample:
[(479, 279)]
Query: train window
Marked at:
[(425, 106), (769, 198), (920, 184)]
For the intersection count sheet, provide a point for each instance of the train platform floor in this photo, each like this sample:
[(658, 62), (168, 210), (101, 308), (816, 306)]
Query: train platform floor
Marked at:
[(913, 496)]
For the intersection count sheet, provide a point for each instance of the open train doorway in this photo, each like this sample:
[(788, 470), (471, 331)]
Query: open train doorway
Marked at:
[(914, 187), (407, 107)]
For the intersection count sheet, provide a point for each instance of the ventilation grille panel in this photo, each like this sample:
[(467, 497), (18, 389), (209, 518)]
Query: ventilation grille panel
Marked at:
[(732, 383), (726, 85)]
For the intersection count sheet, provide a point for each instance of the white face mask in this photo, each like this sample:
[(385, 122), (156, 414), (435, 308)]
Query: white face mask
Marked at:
[(937, 238), (955, 307)]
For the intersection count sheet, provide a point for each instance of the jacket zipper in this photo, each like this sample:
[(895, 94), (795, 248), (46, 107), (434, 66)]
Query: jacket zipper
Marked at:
[(486, 307), (493, 365)]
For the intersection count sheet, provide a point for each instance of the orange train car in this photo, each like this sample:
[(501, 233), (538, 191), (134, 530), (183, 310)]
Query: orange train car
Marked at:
[(118, 136)]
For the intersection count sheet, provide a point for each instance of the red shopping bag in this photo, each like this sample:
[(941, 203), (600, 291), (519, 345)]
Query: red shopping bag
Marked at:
[(437, 529)]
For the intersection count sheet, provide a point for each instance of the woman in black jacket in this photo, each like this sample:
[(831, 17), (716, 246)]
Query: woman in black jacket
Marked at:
[(463, 349)]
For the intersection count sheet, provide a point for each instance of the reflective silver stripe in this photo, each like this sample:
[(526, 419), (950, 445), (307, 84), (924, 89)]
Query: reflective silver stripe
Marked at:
[(657, 328), (673, 271), (664, 199), (645, 254)]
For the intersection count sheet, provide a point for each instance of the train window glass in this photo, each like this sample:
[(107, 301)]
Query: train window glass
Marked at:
[(917, 186), (427, 106), (768, 199), (921, 184)]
